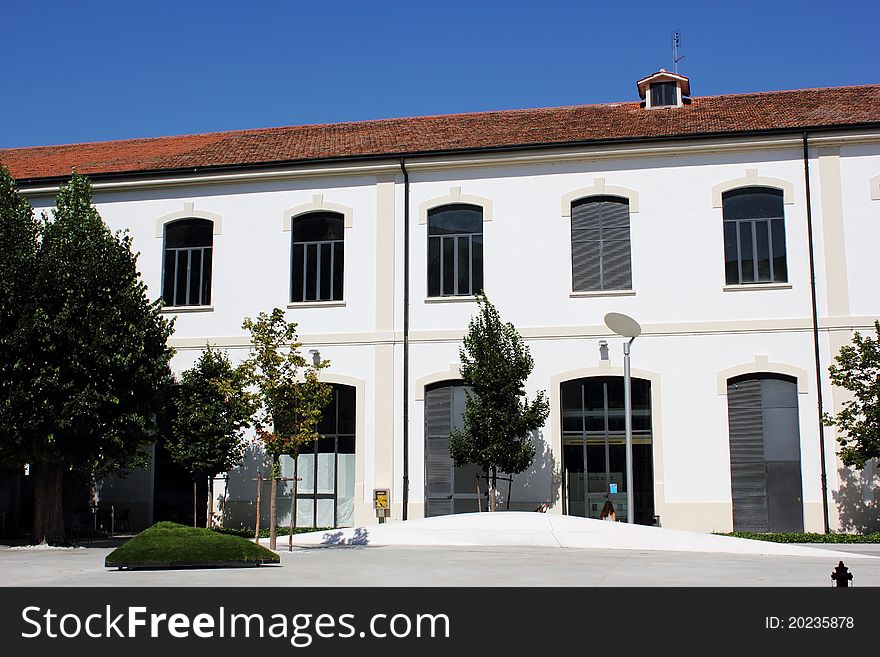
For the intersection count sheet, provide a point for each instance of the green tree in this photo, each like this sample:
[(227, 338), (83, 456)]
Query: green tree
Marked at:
[(498, 417), (857, 369), (20, 234), (290, 396), (213, 409), (89, 362)]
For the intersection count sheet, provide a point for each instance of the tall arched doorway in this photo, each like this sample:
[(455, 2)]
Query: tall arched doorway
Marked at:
[(448, 488), (326, 468), (594, 447), (765, 453)]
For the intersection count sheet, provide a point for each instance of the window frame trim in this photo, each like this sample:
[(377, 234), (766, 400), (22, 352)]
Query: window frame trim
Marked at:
[(318, 243), (649, 96), (454, 197), (874, 184), (167, 220), (606, 191), (763, 365), (599, 188), (455, 241), (753, 285), (188, 212), (752, 179), (318, 204)]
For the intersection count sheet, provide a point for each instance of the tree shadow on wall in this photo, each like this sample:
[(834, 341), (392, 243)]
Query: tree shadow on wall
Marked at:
[(239, 507), (857, 499), (540, 483)]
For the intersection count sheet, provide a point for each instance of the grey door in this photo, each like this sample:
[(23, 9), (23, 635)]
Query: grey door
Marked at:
[(765, 456), (448, 489)]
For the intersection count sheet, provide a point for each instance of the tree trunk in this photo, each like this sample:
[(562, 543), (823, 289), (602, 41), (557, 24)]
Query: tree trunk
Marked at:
[(209, 521), (273, 503), (195, 503), (479, 495), (48, 518), (259, 497), (295, 457), (492, 490)]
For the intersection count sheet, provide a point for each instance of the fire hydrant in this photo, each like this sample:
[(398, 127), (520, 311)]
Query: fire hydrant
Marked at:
[(841, 575)]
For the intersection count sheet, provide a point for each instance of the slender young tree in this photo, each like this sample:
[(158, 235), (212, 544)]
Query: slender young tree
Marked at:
[(857, 369), (91, 363), (290, 396), (213, 410), (498, 417)]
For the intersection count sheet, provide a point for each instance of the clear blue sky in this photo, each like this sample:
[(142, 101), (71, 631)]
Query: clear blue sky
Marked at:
[(111, 69)]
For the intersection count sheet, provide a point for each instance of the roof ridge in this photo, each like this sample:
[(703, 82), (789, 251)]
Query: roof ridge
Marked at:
[(789, 91)]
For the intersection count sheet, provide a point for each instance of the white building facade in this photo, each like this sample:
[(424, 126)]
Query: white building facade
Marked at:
[(706, 241)]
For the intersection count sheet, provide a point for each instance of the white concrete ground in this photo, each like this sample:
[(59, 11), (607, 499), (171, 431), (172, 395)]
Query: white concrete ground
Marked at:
[(524, 529), (502, 549), (429, 566)]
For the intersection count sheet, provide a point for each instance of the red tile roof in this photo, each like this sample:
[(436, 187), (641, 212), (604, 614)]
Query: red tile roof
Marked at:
[(727, 114)]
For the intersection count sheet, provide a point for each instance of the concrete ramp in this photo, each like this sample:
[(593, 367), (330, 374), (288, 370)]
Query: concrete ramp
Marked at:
[(547, 530)]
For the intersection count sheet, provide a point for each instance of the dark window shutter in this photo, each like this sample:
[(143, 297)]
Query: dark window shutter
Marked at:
[(438, 463), (601, 256), (586, 246), (616, 266), (765, 463), (616, 259), (448, 489), (747, 464), (585, 271)]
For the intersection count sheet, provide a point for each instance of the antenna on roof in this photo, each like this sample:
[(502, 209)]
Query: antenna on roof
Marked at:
[(676, 43)]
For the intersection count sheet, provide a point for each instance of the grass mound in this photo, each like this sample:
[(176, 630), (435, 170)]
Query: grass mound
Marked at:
[(169, 545)]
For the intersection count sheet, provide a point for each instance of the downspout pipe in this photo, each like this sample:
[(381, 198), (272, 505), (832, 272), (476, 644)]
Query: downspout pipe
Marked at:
[(824, 477), (405, 493)]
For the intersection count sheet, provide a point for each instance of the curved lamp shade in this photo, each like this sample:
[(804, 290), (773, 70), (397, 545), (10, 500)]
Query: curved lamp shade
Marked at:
[(623, 325)]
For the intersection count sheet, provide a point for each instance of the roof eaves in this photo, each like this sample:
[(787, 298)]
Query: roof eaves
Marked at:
[(396, 156)]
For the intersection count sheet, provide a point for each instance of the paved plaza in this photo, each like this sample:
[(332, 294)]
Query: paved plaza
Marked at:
[(452, 566), (504, 549)]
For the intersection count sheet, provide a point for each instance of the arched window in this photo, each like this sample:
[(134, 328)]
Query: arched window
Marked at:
[(754, 236), (455, 250), (186, 273), (600, 245), (318, 257)]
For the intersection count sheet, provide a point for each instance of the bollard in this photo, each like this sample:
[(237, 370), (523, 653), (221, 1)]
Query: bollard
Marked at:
[(841, 575)]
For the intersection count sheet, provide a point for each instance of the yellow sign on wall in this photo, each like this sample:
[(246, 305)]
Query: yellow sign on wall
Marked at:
[(380, 498)]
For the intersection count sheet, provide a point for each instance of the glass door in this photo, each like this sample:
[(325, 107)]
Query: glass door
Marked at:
[(594, 448)]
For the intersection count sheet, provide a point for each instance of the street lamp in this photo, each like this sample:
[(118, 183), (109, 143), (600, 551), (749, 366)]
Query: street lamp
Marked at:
[(626, 327)]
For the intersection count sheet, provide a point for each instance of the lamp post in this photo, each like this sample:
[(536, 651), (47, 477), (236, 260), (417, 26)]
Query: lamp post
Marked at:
[(626, 327)]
